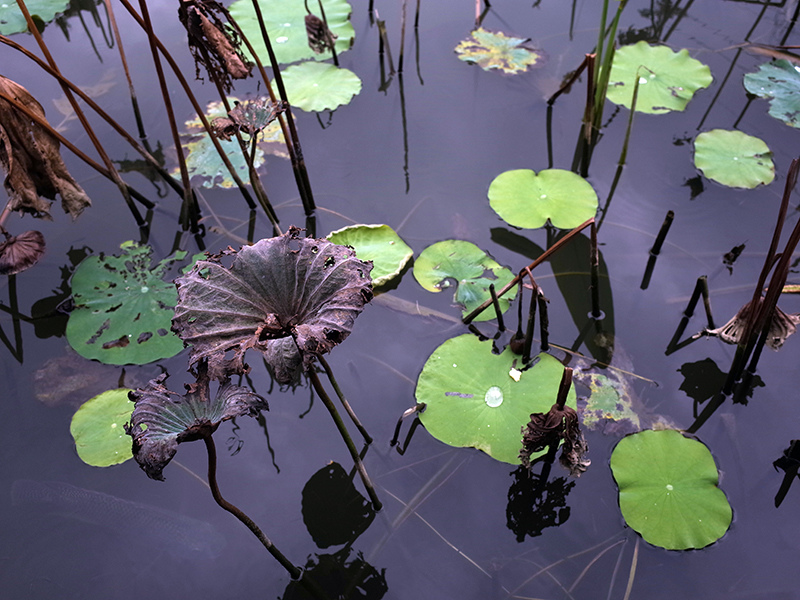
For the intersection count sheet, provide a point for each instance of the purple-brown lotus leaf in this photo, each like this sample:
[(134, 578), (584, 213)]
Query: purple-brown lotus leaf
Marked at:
[(20, 252), (162, 419), (290, 298)]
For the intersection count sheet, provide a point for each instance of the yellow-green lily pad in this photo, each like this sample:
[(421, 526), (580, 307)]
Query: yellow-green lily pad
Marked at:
[(496, 51), (734, 158), (377, 243), (98, 428)]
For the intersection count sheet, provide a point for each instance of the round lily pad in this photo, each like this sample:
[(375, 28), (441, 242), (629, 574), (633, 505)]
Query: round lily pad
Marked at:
[(123, 308), (472, 269), (98, 428), (524, 199), (286, 27), (314, 86), (668, 489), (779, 81), (497, 51), (380, 244), (478, 399), (12, 20), (733, 158), (667, 79)]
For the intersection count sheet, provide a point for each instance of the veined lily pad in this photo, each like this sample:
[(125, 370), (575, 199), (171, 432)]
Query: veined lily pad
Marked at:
[(733, 158), (472, 269), (668, 489), (497, 51), (377, 243), (12, 20), (524, 199), (478, 399), (314, 86), (286, 26), (667, 79), (98, 428), (290, 298), (123, 308), (162, 419), (779, 82)]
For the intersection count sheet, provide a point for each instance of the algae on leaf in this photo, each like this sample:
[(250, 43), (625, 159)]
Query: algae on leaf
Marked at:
[(497, 51)]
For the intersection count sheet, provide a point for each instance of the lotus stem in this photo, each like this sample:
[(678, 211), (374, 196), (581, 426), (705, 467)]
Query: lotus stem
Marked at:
[(656, 249), (343, 399), (563, 388), (337, 419), (526, 348), (497, 312)]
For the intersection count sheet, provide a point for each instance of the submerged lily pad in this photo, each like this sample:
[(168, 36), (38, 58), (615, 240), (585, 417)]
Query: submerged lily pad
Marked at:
[(379, 244), (123, 308), (478, 399), (290, 298), (667, 79), (668, 489), (472, 269), (524, 199), (497, 51), (314, 86), (98, 428), (779, 82), (734, 158), (163, 419), (609, 405), (286, 27), (12, 20)]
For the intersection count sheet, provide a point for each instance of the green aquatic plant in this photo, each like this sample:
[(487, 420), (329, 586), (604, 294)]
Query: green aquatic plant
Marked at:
[(496, 51), (380, 245), (316, 86), (734, 158), (43, 11), (98, 428), (779, 82)]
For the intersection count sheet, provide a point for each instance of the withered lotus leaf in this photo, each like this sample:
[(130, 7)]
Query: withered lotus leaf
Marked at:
[(31, 159), (162, 419), (290, 298), (20, 252)]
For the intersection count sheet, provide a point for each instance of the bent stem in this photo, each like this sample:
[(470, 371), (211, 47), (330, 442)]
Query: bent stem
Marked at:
[(362, 471), (343, 399)]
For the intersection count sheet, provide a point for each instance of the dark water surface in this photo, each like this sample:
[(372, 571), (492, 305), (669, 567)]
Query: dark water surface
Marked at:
[(429, 180)]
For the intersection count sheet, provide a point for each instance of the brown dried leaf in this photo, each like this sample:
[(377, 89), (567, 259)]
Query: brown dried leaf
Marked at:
[(320, 38), (20, 252)]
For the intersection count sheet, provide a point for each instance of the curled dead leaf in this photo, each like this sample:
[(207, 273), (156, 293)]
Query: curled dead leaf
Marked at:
[(320, 38), (20, 252)]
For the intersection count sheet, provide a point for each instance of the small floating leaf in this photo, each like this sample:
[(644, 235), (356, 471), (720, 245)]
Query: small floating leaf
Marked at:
[(472, 269), (377, 243), (668, 489), (12, 20), (497, 51), (314, 86), (524, 199), (98, 428), (779, 82), (733, 158), (473, 400), (667, 79), (123, 308)]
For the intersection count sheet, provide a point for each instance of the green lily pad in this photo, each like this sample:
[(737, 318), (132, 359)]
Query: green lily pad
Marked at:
[(98, 428), (667, 79), (524, 199), (733, 158), (478, 399), (779, 82), (497, 51), (203, 161), (12, 21), (380, 244), (314, 87), (668, 489), (286, 27), (472, 269), (123, 308)]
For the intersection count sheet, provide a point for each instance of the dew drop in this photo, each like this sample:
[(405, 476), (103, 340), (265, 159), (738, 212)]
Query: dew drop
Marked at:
[(145, 289), (282, 39), (669, 487), (493, 397)]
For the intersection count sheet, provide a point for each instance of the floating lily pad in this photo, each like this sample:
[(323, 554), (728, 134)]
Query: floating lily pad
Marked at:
[(123, 308), (779, 82), (98, 428), (524, 199), (497, 51), (286, 27), (668, 489), (314, 86), (667, 79), (377, 243), (472, 269), (12, 20), (733, 158), (203, 160), (478, 399)]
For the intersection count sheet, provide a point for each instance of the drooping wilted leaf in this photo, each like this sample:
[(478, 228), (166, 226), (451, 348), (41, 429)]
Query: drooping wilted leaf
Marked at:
[(32, 160), (559, 424), (98, 428), (379, 244), (781, 326), (472, 269), (162, 419), (320, 38), (20, 252), (779, 82), (44, 11), (249, 117), (288, 297), (734, 158), (494, 50), (123, 308), (315, 86)]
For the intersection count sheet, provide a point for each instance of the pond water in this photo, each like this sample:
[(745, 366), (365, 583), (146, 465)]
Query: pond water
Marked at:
[(418, 155)]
